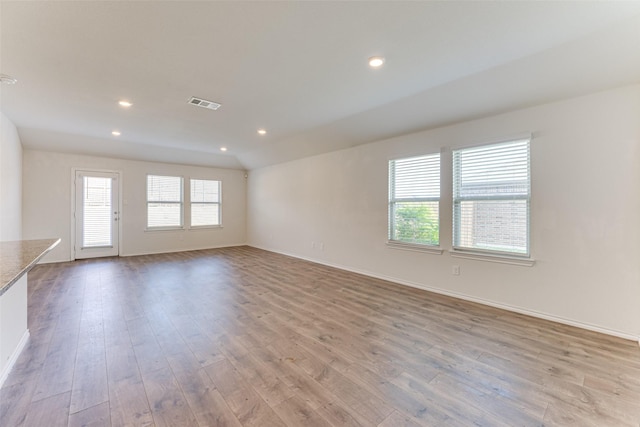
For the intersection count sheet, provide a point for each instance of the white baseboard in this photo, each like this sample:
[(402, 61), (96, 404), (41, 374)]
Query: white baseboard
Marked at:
[(14, 357), (53, 261), (525, 311), (183, 250)]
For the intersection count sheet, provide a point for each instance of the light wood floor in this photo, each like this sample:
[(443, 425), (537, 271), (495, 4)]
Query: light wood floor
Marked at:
[(244, 337)]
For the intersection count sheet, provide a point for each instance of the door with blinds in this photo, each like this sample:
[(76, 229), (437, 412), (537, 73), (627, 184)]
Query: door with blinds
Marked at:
[(97, 214)]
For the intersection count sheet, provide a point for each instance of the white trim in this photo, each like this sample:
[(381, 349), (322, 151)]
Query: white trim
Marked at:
[(14, 357), (151, 229), (74, 171), (527, 312), (414, 247), (234, 245), (493, 257), (204, 227)]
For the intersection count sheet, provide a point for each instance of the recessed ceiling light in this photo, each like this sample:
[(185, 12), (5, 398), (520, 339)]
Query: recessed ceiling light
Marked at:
[(115, 133), (262, 131), (125, 104), (223, 148), (376, 61), (7, 79)]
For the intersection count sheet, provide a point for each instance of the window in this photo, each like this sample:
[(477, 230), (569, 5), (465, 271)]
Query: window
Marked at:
[(164, 201), (491, 196), (96, 215), (205, 203), (414, 200)]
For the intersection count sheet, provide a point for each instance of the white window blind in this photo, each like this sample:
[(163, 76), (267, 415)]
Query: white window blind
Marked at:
[(491, 196), (414, 200), (96, 212), (164, 201), (205, 203)]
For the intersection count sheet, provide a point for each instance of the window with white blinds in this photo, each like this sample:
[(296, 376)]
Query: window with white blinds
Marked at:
[(164, 201), (205, 203), (491, 197), (96, 212), (414, 200)]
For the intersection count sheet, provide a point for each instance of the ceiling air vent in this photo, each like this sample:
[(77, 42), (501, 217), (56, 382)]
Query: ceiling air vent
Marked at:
[(199, 102)]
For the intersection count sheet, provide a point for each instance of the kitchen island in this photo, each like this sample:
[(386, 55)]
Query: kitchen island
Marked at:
[(16, 259)]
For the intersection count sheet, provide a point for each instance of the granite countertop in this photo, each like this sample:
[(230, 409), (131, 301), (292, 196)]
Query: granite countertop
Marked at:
[(18, 257)]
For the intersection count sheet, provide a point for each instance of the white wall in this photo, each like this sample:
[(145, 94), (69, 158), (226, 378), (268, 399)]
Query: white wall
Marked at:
[(10, 181), (585, 219), (47, 211)]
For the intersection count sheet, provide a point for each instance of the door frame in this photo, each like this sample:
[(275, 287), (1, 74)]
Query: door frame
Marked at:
[(74, 170)]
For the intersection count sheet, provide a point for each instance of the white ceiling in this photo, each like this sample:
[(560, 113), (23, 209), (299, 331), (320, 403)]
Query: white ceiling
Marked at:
[(298, 69)]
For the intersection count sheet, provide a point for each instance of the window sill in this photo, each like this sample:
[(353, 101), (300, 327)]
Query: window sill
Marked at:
[(499, 258), (163, 229), (414, 247), (204, 227)]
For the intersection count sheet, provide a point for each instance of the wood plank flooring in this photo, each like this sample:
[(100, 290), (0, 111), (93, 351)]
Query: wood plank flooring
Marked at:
[(244, 337)]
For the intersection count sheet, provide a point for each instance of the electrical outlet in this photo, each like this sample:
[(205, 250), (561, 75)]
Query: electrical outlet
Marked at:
[(455, 270), (322, 246)]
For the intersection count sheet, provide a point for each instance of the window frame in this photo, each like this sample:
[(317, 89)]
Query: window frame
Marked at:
[(86, 190), (218, 203), (181, 203), (479, 253), (393, 200)]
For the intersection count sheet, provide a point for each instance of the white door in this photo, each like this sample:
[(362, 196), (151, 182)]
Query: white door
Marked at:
[(97, 214)]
